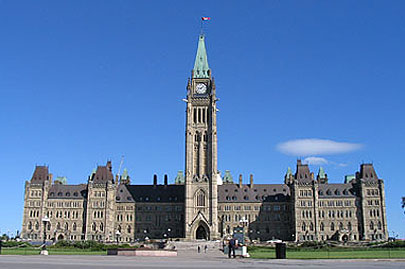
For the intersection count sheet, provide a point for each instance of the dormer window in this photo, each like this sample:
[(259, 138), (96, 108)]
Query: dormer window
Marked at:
[(60, 193)]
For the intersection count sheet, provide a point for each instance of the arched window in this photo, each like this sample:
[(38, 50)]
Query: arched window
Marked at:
[(304, 227), (349, 226), (101, 227), (311, 226), (322, 228), (94, 226), (58, 226), (340, 226), (74, 226), (36, 226), (30, 225), (200, 198), (129, 229), (371, 225), (379, 225), (332, 226), (66, 226)]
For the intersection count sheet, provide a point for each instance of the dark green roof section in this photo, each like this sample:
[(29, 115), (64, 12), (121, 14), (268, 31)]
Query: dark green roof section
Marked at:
[(179, 178), (201, 67)]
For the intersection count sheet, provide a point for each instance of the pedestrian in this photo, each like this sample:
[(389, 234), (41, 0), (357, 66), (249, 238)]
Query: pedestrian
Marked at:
[(205, 249), (231, 247), (198, 249)]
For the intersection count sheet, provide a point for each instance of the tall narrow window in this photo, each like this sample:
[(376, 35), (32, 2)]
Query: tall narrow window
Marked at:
[(195, 115), (200, 197), (199, 115)]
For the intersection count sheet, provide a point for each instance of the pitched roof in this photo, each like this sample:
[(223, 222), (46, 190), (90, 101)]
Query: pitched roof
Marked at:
[(60, 191), (41, 173), (103, 174), (258, 193), (151, 193), (336, 190)]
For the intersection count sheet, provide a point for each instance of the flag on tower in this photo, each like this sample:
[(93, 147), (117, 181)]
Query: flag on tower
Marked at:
[(205, 18)]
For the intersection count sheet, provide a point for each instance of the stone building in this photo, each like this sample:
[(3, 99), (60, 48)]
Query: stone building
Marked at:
[(200, 204)]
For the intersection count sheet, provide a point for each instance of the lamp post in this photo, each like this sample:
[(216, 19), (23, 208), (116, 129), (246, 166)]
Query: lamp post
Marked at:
[(168, 232), (45, 220)]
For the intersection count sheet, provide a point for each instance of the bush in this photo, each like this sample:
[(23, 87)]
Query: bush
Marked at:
[(88, 245), (10, 244)]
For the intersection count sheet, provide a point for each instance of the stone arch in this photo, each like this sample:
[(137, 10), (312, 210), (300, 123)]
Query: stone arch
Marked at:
[(201, 231)]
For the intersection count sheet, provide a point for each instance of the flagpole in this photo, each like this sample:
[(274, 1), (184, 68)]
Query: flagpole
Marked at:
[(201, 27)]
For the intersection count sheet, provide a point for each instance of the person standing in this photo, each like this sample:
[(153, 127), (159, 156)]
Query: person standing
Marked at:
[(231, 247)]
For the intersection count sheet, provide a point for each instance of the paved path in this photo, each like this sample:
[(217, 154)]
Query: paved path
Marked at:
[(195, 261)]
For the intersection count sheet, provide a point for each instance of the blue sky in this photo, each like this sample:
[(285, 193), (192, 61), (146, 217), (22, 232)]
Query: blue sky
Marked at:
[(86, 81)]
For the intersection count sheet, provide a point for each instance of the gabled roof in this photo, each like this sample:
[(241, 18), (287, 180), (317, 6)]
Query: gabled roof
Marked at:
[(60, 191), (336, 190), (258, 193), (152, 193)]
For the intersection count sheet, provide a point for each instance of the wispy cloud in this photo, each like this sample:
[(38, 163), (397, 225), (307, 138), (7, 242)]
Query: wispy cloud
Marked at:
[(315, 161), (314, 146)]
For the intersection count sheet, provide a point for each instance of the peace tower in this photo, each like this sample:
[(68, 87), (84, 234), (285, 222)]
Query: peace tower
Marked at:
[(201, 151)]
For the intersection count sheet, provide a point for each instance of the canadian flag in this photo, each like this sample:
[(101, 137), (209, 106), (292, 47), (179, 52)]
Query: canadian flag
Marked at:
[(205, 18)]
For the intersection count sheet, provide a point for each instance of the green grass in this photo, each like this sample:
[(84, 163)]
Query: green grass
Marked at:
[(32, 251), (268, 253)]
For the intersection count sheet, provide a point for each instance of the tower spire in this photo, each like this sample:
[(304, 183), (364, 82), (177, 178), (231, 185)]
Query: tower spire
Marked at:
[(201, 67)]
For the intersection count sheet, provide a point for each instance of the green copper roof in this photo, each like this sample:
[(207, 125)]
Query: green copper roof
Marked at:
[(349, 178), (201, 61), (227, 177), (124, 174), (179, 178), (321, 172)]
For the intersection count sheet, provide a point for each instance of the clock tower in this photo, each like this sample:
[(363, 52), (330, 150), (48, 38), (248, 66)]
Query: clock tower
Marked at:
[(201, 203)]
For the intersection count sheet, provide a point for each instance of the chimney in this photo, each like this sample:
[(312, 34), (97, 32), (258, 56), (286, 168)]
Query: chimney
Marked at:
[(166, 180), (251, 180), (240, 181), (154, 180)]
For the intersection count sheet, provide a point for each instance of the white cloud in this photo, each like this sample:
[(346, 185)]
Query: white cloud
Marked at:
[(315, 161), (314, 146)]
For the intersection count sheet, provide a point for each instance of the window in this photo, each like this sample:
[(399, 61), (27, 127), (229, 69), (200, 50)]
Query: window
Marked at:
[(200, 198), (74, 226), (322, 227), (332, 226), (60, 194), (245, 197)]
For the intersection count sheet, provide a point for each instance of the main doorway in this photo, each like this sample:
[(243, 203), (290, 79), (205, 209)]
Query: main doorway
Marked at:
[(201, 233)]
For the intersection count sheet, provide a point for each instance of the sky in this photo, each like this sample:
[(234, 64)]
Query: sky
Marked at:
[(83, 82)]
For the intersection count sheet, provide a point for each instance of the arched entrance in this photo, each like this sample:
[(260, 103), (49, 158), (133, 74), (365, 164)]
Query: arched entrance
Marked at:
[(201, 233), (60, 237)]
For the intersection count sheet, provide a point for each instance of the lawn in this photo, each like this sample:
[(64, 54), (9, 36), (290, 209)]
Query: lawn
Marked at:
[(268, 253), (32, 251)]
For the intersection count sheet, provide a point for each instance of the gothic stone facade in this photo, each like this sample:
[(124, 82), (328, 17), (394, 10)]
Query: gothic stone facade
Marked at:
[(197, 205)]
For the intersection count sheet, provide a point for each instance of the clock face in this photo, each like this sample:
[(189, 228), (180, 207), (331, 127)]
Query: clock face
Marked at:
[(201, 88)]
